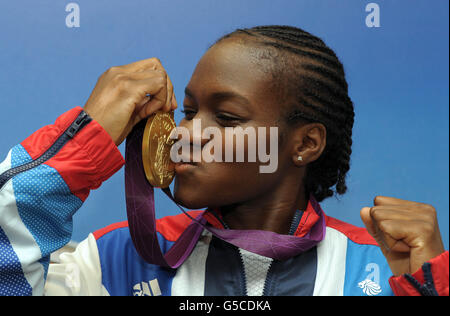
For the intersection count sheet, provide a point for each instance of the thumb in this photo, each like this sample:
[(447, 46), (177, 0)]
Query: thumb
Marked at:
[(373, 229), (367, 220)]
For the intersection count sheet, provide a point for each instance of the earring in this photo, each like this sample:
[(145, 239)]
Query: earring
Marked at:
[(300, 158)]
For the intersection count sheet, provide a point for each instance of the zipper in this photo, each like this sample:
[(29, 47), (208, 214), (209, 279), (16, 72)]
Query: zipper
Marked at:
[(267, 283), (81, 121), (242, 268), (268, 280), (270, 272), (295, 222)]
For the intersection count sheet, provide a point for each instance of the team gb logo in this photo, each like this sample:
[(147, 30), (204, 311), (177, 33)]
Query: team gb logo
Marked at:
[(369, 287)]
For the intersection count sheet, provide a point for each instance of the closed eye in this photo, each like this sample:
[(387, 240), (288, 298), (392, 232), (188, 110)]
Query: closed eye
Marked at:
[(226, 119), (189, 114)]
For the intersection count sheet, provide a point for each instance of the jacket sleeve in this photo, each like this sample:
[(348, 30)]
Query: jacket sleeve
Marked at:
[(43, 182), (431, 280), (77, 273)]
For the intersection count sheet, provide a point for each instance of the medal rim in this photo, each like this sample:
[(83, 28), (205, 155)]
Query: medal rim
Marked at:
[(146, 150)]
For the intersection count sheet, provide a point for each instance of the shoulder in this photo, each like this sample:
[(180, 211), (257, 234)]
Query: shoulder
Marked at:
[(171, 227), (110, 229), (356, 234), (168, 227), (123, 271)]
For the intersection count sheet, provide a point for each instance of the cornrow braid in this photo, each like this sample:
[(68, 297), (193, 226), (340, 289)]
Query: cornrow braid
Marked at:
[(315, 76)]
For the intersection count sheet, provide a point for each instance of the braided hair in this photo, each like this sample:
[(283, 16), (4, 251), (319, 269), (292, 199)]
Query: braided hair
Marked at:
[(312, 76)]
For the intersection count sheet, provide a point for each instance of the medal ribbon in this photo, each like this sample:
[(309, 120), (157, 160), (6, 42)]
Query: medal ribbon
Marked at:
[(142, 222)]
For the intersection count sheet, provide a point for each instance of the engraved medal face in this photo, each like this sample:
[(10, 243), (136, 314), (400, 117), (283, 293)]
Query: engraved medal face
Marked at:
[(156, 144)]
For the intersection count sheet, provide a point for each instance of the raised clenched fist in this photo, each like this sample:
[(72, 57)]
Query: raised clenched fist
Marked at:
[(407, 232)]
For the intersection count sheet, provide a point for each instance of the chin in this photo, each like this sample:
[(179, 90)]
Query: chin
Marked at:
[(189, 203), (189, 197)]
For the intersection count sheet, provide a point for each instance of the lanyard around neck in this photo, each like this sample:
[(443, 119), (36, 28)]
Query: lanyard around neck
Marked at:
[(142, 222)]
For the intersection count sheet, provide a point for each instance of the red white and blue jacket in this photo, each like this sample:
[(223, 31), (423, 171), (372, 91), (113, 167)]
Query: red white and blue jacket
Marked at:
[(45, 180)]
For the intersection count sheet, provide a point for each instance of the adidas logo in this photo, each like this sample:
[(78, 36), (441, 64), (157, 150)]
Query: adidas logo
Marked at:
[(150, 288)]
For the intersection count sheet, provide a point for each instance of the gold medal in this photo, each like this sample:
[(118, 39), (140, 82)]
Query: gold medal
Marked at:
[(156, 144)]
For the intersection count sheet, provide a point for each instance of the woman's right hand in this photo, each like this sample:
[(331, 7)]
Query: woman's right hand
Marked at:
[(125, 95)]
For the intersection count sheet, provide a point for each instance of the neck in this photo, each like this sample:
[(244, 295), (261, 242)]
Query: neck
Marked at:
[(271, 211)]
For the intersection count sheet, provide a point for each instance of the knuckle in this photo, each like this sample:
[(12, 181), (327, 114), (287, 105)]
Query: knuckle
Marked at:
[(376, 199), (107, 73), (429, 209), (156, 60), (374, 212), (161, 79), (161, 72), (112, 70), (120, 79), (121, 86)]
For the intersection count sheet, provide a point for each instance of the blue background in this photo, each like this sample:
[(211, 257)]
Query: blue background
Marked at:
[(398, 77)]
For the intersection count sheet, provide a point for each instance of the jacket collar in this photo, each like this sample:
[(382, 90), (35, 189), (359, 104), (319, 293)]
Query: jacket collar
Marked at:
[(300, 226)]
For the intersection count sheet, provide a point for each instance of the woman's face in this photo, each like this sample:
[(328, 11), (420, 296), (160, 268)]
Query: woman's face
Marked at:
[(229, 89)]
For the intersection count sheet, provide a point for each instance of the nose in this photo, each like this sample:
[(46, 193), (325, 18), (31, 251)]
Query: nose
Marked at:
[(189, 137), (192, 132)]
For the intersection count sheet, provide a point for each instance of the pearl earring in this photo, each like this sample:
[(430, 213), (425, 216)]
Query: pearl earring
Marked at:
[(300, 158)]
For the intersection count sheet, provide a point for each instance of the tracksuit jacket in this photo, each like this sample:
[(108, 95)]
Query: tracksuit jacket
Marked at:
[(45, 180)]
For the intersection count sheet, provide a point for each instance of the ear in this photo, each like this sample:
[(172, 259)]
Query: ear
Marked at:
[(309, 142)]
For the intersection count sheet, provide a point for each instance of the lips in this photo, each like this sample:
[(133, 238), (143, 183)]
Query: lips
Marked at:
[(182, 167), (186, 163)]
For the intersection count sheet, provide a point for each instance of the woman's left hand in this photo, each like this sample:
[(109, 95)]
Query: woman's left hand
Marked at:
[(407, 232)]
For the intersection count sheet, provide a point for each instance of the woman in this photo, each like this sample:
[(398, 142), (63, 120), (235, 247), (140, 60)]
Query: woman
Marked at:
[(268, 76)]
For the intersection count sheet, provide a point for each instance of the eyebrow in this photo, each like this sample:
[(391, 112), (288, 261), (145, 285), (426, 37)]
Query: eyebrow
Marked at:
[(221, 96)]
